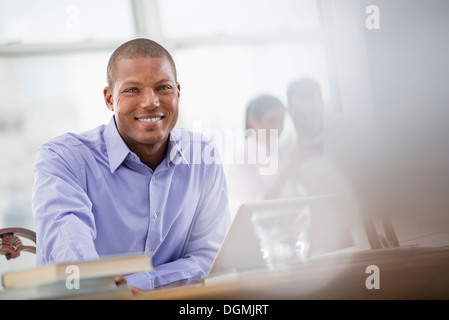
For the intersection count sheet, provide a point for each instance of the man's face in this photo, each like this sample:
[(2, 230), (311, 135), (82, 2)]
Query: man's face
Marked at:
[(307, 115), (144, 101)]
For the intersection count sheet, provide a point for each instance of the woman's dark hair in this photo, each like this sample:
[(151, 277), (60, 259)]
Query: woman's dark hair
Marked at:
[(258, 106)]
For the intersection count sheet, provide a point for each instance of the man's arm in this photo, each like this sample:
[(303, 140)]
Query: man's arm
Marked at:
[(64, 222)]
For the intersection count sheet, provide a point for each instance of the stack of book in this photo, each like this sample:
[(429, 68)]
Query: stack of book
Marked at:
[(90, 279)]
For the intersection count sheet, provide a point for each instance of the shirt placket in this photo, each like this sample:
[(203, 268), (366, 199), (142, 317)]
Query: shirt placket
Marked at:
[(153, 230)]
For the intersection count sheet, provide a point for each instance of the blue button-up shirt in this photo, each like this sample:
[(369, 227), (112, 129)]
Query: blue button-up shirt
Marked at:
[(92, 197)]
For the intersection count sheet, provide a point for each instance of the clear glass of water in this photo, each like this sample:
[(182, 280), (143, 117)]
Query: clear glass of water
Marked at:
[(283, 237)]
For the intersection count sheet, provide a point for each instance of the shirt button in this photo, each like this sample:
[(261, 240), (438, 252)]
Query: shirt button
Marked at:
[(155, 215), (132, 157), (153, 178)]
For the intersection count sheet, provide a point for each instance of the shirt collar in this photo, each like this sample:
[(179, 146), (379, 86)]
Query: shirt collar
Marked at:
[(118, 150), (175, 151), (115, 146)]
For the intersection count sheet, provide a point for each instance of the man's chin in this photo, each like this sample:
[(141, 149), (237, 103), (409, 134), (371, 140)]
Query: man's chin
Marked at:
[(154, 139)]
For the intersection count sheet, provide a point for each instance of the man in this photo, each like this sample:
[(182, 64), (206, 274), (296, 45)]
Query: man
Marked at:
[(135, 185), (306, 108), (305, 172), (295, 177), (310, 169)]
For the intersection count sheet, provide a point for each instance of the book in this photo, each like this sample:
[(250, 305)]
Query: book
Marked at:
[(100, 288), (108, 266)]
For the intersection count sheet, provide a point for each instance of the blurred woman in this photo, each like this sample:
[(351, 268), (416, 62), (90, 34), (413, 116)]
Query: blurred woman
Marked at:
[(257, 162)]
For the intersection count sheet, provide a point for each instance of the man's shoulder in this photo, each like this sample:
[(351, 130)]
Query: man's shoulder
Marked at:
[(196, 147), (189, 137), (88, 139)]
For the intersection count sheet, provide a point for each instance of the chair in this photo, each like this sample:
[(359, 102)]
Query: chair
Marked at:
[(11, 245)]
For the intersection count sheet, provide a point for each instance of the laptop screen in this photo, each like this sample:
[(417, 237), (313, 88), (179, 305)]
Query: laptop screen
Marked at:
[(242, 249)]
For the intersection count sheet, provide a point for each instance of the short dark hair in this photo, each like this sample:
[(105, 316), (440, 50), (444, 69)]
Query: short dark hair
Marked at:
[(258, 106), (303, 87), (136, 48)]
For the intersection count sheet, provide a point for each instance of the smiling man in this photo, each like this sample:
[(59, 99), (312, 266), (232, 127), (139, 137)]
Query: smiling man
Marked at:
[(135, 185)]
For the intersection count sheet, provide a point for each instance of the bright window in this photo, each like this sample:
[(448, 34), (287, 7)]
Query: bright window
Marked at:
[(196, 18), (55, 21)]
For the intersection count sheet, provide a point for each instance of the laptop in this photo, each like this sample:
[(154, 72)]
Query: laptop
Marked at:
[(240, 249)]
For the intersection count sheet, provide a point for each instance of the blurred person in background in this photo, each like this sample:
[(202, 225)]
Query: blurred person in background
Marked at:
[(306, 109), (249, 176), (297, 177), (309, 168)]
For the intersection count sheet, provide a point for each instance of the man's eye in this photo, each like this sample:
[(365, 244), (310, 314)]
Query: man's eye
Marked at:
[(164, 88), (131, 90)]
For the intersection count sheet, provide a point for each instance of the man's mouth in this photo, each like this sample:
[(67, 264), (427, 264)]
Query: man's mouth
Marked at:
[(153, 119)]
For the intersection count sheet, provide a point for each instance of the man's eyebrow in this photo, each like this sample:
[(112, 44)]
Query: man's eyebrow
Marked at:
[(137, 83), (131, 82), (164, 80)]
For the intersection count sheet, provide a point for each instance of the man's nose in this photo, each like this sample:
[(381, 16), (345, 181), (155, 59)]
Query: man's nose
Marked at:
[(150, 100)]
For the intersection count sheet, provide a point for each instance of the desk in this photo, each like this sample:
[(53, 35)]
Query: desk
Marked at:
[(404, 273)]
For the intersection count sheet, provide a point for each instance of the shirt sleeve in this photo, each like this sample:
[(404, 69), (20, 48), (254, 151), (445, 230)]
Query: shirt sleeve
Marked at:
[(62, 212), (210, 225)]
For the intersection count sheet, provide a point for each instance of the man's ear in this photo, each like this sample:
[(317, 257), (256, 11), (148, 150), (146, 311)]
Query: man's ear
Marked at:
[(178, 86), (108, 98)]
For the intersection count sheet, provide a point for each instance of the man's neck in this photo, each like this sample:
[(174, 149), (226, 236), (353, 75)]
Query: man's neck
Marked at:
[(152, 155)]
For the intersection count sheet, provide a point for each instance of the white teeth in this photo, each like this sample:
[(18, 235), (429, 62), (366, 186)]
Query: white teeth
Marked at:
[(150, 119)]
